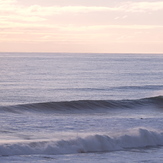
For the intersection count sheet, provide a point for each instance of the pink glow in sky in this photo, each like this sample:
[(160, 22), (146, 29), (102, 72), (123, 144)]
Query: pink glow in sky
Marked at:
[(109, 26)]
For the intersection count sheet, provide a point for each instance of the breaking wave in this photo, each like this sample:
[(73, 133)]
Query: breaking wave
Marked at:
[(95, 143), (85, 105)]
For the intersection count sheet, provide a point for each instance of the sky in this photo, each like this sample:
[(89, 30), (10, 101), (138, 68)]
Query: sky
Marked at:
[(97, 26)]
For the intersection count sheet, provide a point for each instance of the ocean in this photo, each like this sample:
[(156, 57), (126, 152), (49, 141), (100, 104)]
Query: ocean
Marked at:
[(73, 107)]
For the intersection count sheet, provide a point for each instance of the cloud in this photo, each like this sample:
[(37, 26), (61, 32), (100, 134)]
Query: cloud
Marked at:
[(15, 16), (123, 7), (12, 10), (7, 6), (142, 6), (3, 2), (104, 29), (58, 10)]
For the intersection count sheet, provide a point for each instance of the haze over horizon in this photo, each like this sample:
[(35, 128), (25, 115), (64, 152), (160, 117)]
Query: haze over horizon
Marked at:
[(106, 26)]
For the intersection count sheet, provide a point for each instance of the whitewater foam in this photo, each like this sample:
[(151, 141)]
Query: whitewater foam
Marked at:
[(94, 143)]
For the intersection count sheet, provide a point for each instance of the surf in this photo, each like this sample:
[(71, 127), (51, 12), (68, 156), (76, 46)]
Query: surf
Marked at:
[(144, 138)]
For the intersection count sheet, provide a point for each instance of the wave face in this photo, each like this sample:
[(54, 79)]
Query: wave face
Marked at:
[(86, 105), (95, 143)]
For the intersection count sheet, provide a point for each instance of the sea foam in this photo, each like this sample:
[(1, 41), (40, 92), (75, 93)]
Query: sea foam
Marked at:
[(93, 143)]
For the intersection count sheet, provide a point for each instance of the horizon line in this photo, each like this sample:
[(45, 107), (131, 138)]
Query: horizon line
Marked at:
[(86, 52)]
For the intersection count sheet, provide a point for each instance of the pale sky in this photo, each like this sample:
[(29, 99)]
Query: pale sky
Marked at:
[(102, 26)]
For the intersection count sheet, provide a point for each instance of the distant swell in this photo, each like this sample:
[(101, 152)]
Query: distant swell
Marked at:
[(95, 143), (85, 105)]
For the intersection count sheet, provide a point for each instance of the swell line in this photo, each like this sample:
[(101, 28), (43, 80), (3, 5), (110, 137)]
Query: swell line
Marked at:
[(85, 105)]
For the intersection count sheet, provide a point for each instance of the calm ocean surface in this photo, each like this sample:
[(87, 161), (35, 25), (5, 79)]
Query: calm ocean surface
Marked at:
[(81, 108)]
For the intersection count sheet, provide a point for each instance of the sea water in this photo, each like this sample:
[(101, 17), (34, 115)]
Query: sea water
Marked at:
[(66, 107)]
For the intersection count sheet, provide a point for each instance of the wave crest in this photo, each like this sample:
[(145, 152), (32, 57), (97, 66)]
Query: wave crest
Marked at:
[(94, 143), (85, 105)]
